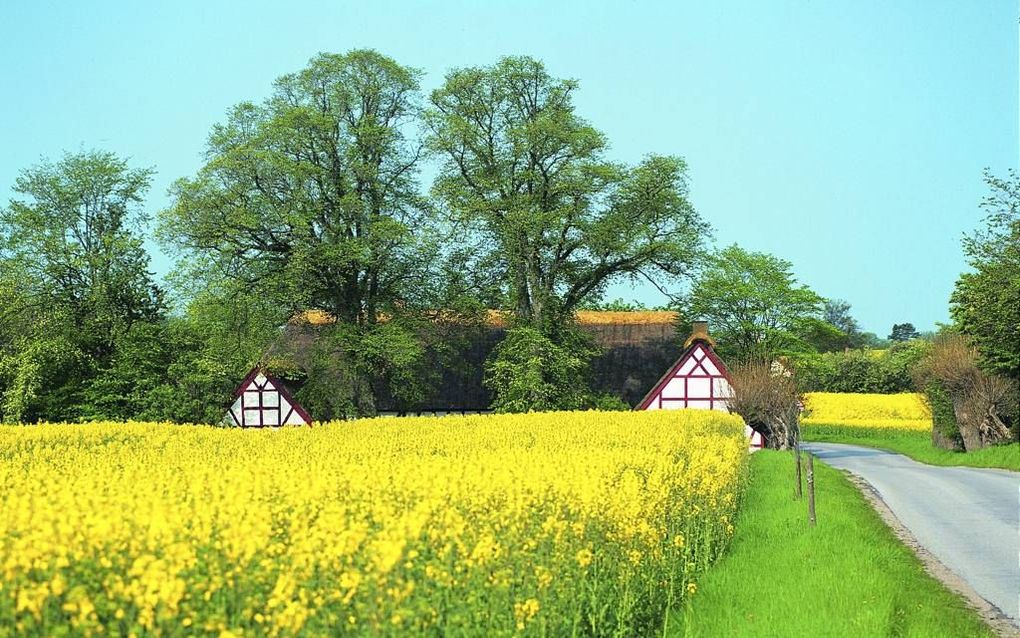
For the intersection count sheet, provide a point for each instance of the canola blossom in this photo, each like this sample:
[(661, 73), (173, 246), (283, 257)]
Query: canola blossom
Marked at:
[(541, 524), (907, 411)]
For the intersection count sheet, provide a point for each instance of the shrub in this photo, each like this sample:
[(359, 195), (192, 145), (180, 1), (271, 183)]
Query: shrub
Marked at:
[(861, 371), (945, 429), (983, 405), (768, 401), (529, 372)]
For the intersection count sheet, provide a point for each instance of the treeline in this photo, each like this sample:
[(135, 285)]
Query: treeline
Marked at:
[(311, 200)]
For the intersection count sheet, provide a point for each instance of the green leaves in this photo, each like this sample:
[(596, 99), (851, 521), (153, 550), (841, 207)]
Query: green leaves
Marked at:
[(753, 304), (312, 193), (986, 303), (523, 171), (75, 279), (530, 372)]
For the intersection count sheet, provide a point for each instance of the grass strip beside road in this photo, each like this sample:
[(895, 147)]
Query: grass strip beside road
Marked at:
[(847, 576), (916, 445)]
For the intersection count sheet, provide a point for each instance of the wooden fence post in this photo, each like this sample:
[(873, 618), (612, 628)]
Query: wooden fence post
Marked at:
[(811, 487), (796, 454)]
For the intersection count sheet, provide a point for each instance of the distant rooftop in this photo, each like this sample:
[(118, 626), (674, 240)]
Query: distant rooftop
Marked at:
[(497, 318)]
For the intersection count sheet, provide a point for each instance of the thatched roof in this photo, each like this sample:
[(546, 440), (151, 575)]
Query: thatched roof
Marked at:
[(499, 318), (637, 347)]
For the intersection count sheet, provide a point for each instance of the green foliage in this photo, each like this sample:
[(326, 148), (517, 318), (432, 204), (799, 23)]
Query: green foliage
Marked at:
[(818, 335), (310, 201), (41, 377), (73, 280), (158, 374), (523, 172), (986, 302), (310, 198), (903, 332), (942, 412), (605, 403), (352, 365), (836, 315), (860, 370), (753, 304), (551, 218), (530, 372), (984, 404)]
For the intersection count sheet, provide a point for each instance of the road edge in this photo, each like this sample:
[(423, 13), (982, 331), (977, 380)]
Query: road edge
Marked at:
[(992, 616)]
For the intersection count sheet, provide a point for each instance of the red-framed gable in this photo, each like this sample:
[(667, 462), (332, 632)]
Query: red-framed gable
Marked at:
[(698, 371), (271, 385)]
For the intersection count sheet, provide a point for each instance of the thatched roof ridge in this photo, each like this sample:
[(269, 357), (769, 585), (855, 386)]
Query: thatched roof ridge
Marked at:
[(500, 318)]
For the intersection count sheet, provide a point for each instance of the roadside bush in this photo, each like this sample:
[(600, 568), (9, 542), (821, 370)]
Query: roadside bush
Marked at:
[(768, 401), (945, 429), (983, 405), (861, 371)]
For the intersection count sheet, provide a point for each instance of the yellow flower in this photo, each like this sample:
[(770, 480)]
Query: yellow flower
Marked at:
[(525, 611), (903, 411), (369, 520), (584, 557)]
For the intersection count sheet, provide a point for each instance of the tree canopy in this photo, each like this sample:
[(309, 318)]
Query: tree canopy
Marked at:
[(521, 169), (986, 302), (753, 304), (74, 280), (310, 201), (903, 332), (311, 196)]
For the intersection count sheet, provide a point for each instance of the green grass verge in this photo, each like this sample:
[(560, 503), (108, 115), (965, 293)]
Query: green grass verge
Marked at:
[(916, 445), (848, 576)]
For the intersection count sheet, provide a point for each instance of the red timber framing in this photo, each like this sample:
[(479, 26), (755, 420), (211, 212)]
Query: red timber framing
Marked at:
[(698, 379), (261, 401)]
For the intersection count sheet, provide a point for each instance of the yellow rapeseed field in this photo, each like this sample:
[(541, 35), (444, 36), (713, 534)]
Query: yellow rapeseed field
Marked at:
[(554, 524), (906, 411)]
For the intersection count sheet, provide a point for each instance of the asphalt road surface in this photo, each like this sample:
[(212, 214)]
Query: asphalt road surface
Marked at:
[(969, 518)]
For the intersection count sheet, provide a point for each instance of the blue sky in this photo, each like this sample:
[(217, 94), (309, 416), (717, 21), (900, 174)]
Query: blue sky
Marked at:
[(846, 137)]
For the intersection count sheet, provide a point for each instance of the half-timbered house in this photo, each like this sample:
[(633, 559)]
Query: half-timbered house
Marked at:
[(698, 380)]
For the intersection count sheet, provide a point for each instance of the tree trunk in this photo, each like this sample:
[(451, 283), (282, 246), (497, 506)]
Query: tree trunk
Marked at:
[(779, 434), (970, 429)]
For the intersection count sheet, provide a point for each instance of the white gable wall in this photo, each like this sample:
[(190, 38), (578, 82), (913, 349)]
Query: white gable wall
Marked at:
[(261, 404)]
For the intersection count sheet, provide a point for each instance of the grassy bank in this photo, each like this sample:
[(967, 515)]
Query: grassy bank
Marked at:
[(916, 445), (848, 576)]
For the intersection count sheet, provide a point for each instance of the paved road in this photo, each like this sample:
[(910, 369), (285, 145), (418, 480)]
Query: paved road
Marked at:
[(968, 518)]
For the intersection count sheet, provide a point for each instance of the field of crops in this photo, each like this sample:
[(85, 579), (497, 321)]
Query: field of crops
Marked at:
[(560, 523), (906, 411)]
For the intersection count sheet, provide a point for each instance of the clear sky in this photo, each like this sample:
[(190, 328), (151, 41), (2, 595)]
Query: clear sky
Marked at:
[(846, 137)]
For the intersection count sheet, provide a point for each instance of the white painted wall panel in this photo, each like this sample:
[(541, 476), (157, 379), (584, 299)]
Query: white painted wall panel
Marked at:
[(699, 388)]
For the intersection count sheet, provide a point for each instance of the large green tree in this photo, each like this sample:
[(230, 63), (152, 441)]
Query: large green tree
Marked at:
[(753, 303), (310, 200), (310, 196), (524, 173), (986, 301), (74, 279), (551, 220)]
